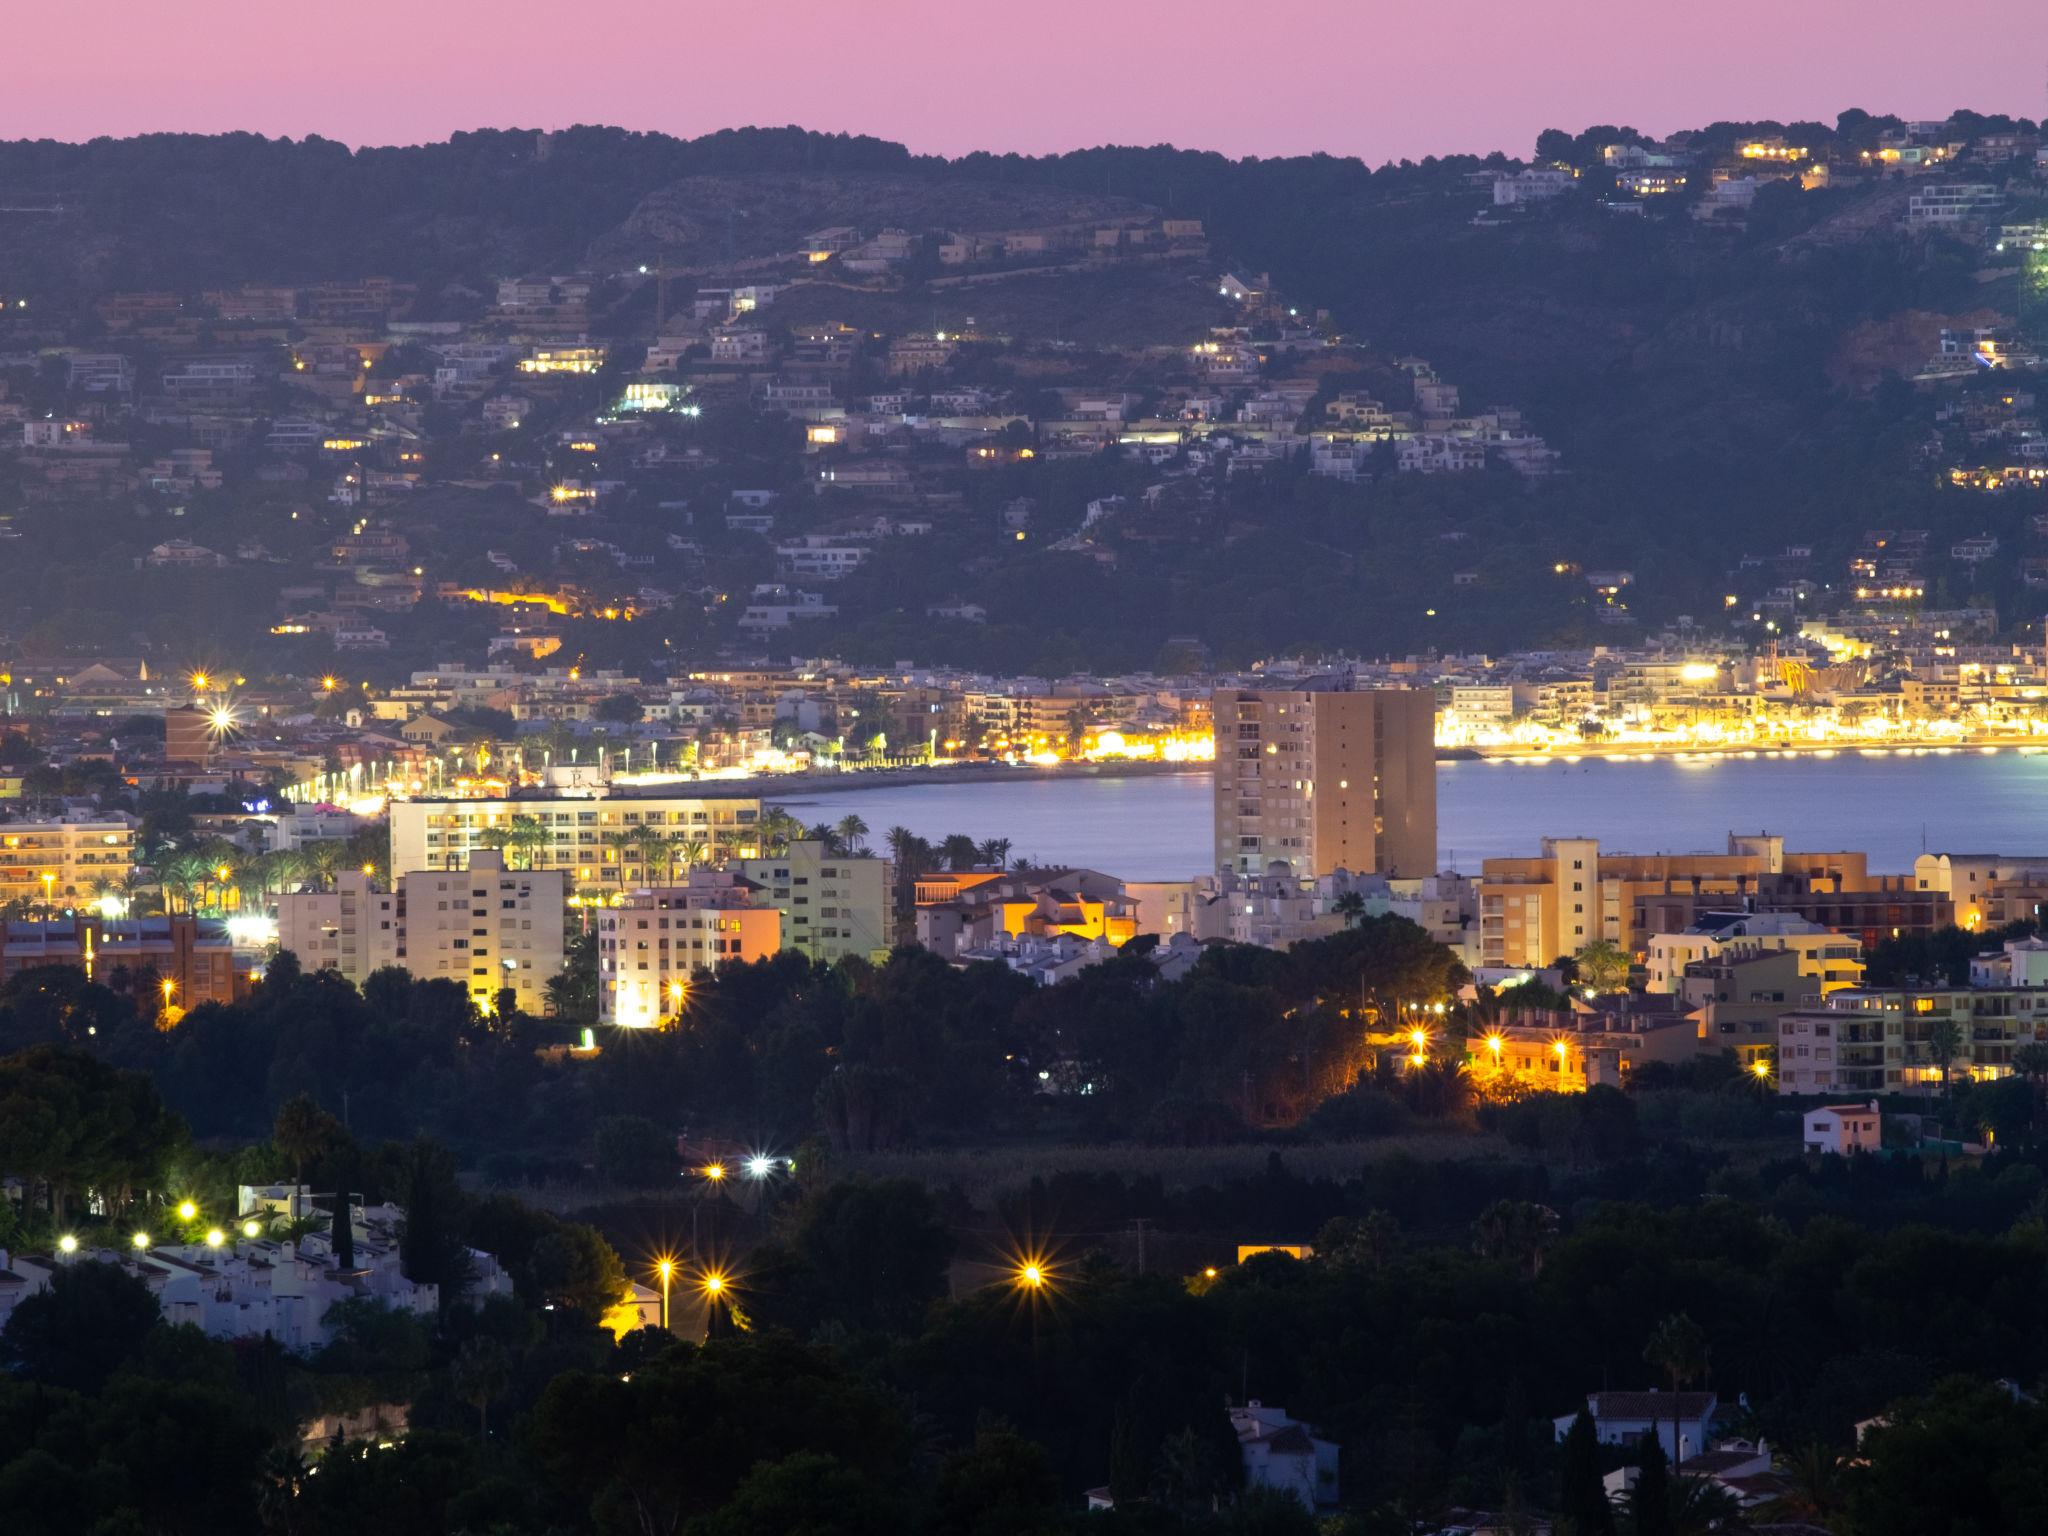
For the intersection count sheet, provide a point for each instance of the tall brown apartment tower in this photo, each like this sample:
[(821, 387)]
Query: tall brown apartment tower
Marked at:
[(1326, 780)]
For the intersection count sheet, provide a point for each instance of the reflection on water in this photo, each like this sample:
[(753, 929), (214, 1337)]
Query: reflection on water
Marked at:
[(1158, 827)]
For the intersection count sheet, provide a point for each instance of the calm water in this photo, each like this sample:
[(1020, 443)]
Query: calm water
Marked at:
[(1158, 827)]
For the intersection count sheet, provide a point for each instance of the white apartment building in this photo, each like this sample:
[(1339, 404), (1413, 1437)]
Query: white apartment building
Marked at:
[(1954, 202), (442, 834), (651, 948), (483, 926), (62, 859), (354, 929), (832, 905)]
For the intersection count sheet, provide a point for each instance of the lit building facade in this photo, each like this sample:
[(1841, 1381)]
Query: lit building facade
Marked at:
[(1885, 1040), (195, 957), (485, 926), (652, 946), (594, 842), (62, 860)]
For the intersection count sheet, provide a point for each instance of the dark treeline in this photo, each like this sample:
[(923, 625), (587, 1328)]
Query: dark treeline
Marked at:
[(853, 1383), (869, 1057)]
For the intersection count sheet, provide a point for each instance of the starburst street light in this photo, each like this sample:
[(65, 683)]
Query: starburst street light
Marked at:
[(714, 1172), (188, 1210), (222, 721)]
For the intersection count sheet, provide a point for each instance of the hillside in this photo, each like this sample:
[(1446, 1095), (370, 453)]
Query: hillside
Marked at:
[(1713, 387)]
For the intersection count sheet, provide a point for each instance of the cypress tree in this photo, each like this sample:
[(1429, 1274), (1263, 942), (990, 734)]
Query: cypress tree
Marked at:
[(342, 1235), (1581, 1497), (1650, 1502)]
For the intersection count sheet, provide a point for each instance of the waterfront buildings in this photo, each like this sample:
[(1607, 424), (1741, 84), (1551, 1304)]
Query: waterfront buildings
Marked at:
[(65, 859), (615, 840), (1318, 780), (483, 926)]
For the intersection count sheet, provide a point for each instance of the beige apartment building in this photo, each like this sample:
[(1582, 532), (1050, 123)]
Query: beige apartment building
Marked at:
[(1531, 911), (1827, 959), (1881, 1040), (483, 926), (581, 837), (1325, 780), (60, 861)]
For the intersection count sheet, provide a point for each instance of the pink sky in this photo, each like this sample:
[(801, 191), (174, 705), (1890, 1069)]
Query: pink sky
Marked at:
[(1381, 79)]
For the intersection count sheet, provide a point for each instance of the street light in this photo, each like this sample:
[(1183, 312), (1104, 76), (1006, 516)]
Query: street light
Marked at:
[(140, 1240), (252, 1228), (666, 1268), (67, 1244), (715, 1172), (759, 1166), (215, 1237), (188, 1210)]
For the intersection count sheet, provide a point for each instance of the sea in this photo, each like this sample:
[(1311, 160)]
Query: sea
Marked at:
[(1894, 805)]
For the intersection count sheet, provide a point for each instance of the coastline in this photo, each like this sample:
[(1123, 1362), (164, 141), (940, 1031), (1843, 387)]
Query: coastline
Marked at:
[(794, 786)]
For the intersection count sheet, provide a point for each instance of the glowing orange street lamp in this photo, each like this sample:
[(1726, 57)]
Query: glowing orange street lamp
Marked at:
[(666, 1268)]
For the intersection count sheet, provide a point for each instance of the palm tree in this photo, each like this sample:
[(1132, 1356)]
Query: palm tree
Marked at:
[(960, 852), (1944, 1045), (323, 861), (1813, 1491), (302, 1132), (482, 1372), (283, 1468), (850, 831), (1677, 1347), (1602, 966), (1517, 1231), (529, 837), (1350, 906), (650, 847), (615, 844), (996, 852), (688, 847)]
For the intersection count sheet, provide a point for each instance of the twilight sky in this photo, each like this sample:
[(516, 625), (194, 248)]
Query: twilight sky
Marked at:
[(1381, 79)]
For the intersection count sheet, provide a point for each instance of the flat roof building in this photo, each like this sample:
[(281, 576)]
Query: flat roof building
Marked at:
[(1325, 779)]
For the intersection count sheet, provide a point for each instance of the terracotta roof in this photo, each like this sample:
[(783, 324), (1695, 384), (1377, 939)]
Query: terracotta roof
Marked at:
[(1652, 1405)]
